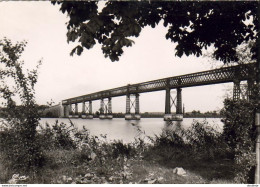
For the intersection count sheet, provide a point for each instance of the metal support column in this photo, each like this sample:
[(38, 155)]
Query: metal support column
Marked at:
[(137, 108), (109, 109), (89, 114), (90, 107), (83, 111), (87, 108), (102, 106), (236, 90), (66, 111), (83, 108), (250, 84), (102, 110), (76, 111), (109, 105), (127, 104), (179, 102), (168, 101), (70, 110)]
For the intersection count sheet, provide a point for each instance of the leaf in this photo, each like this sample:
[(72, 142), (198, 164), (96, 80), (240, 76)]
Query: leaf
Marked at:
[(79, 50), (209, 24)]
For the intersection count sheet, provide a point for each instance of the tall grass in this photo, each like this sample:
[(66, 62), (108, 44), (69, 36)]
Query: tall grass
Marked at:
[(201, 141), (72, 152)]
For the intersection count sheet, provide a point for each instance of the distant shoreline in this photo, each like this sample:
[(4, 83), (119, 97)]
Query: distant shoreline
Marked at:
[(153, 117)]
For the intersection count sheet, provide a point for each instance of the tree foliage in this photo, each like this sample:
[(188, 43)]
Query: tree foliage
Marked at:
[(193, 25), (239, 132), (17, 139)]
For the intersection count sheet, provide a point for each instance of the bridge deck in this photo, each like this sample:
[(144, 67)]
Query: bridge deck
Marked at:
[(216, 76)]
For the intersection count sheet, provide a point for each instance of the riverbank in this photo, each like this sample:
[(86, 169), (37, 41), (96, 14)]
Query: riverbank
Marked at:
[(144, 115), (68, 167), (63, 169), (73, 156)]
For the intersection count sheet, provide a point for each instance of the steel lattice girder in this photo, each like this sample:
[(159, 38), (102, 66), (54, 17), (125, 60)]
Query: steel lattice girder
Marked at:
[(216, 76)]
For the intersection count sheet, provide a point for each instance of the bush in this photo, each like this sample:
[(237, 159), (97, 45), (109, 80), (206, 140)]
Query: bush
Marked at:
[(240, 135), (206, 141), (18, 156), (120, 149), (93, 151), (56, 136), (200, 142), (18, 145)]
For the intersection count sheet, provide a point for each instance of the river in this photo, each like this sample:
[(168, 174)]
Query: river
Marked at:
[(127, 131)]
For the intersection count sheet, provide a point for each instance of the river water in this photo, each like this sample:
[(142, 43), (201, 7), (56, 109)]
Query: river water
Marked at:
[(127, 131)]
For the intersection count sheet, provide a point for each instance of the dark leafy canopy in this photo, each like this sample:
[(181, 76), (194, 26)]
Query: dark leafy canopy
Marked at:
[(192, 25)]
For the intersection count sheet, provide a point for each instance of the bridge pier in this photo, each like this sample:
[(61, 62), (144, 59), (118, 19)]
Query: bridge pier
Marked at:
[(179, 101), (76, 114), (89, 114), (101, 114), (70, 111), (169, 102), (236, 90), (83, 112), (250, 84), (87, 110), (132, 104), (109, 114), (65, 111), (106, 109), (73, 112)]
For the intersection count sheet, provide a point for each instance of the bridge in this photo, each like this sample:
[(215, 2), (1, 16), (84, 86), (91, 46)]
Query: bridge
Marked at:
[(235, 74)]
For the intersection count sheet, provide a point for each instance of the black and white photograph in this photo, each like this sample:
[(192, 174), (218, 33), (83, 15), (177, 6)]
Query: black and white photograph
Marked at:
[(129, 92)]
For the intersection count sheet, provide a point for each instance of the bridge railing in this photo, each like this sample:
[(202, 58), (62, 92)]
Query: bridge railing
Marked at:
[(221, 75)]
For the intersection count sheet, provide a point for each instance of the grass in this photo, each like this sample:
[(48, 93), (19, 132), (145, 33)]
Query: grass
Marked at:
[(164, 175), (67, 163), (96, 161), (207, 170)]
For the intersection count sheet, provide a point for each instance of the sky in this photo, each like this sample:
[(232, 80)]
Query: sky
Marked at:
[(62, 76)]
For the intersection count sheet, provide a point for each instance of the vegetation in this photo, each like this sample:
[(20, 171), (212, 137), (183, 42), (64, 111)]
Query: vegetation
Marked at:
[(63, 154), (198, 114), (240, 135), (194, 26), (73, 156), (18, 143), (40, 109)]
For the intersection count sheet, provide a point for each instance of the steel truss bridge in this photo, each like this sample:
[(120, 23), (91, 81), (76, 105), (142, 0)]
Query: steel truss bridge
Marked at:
[(234, 74)]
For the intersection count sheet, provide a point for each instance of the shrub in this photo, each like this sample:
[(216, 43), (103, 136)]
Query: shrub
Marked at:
[(57, 136), (200, 140), (19, 125), (206, 141), (240, 135), (93, 151), (120, 149)]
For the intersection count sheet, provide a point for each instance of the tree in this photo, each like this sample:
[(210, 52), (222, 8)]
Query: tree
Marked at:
[(192, 25), (240, 135), (18, 140)]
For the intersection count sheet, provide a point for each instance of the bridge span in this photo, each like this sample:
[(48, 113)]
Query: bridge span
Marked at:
[(234, 74)]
